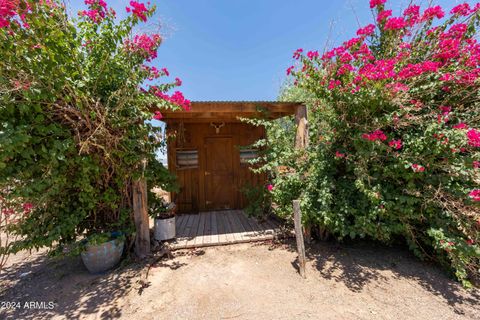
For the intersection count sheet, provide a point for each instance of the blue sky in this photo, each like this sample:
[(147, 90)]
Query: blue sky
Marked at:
[(239, 50)]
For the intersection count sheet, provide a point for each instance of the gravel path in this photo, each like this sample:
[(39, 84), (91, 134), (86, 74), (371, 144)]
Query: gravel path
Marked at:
[(248, 281)]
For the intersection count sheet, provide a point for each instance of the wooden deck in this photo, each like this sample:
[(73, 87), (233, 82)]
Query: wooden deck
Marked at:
[(219, 228)]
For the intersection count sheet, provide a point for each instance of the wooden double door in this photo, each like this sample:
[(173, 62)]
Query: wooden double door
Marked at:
[(219, 173)]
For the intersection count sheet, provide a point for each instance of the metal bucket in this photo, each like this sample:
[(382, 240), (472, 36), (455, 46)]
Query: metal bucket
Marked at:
[(164, 229)]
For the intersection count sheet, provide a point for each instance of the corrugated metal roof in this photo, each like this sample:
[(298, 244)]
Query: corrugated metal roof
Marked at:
[(243, 101)]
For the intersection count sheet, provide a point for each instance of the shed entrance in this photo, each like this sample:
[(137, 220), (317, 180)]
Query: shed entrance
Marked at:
[(208, 151), (219, 175)]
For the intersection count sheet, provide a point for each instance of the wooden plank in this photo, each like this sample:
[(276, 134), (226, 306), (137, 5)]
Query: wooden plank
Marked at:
[(240, 216), (188, 226), (208, 229), (214, 236), (179, 220), (229, 233), (201, 228), (194, 227), (229, 227), (257, 229), (236, 227), (140, 211), (297, 219), (183, 226), (243, 222), (223, 236), (221, 228), (246, 225)]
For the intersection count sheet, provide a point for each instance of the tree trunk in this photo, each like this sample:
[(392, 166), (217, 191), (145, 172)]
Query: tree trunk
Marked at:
[(140, 211)]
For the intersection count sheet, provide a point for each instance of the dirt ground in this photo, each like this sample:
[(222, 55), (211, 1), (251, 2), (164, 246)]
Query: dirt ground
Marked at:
[(248, 281)]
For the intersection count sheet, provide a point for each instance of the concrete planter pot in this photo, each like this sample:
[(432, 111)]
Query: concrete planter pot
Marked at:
[(102, 257), (164, 228)]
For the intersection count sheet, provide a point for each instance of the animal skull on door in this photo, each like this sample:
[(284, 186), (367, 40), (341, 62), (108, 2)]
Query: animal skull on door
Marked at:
[(217, 126)]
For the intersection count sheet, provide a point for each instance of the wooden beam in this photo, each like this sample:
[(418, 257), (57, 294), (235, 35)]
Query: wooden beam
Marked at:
[(231, 110), (297, 219), (140, 211)]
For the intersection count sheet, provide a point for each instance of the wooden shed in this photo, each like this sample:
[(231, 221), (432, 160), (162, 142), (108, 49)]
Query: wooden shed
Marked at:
[(208, 150)]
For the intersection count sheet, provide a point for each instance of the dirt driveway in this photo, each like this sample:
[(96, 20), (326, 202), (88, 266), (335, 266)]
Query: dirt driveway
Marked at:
[(249, 281)]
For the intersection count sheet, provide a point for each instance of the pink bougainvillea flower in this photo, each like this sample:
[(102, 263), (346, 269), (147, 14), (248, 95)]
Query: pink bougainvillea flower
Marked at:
[(333, 84), (384, 15), (366, 31), (469, 242), (27, 207), (476, 8), (352, 42), (375, 135), (176, 98), (97, 10), (158, 115), (395, 23), (462, 9), (396, 144), (312, 54), (460, 126), (144, 45), (270, 187), (446, 77), (138, 9), (178, 82), (473, 136), (289, 70), (297, 54), (414, 70), (418, 168), (476, 164), (8, 211), (433, 12), (475, 195), (154, 73), (338, 154), (165, 72), (376, 3), (93, 15), (400, 87), (445, 110), (344, 69), (8, 10), (412, 13)]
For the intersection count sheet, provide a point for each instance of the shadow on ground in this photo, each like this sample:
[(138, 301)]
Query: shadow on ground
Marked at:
[(360, 264), (359, 267), (74, 292)]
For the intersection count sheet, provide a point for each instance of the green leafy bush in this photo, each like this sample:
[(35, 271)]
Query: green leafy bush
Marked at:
[(394, 153), (75, 112)]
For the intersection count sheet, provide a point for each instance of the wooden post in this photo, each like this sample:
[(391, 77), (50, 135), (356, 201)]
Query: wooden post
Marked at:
[(297, 219), (301, 142), (140, 211), (301, 138)]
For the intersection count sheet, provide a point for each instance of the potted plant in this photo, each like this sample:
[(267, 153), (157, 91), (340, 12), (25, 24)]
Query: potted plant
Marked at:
[(164, 216), (102, 251)]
